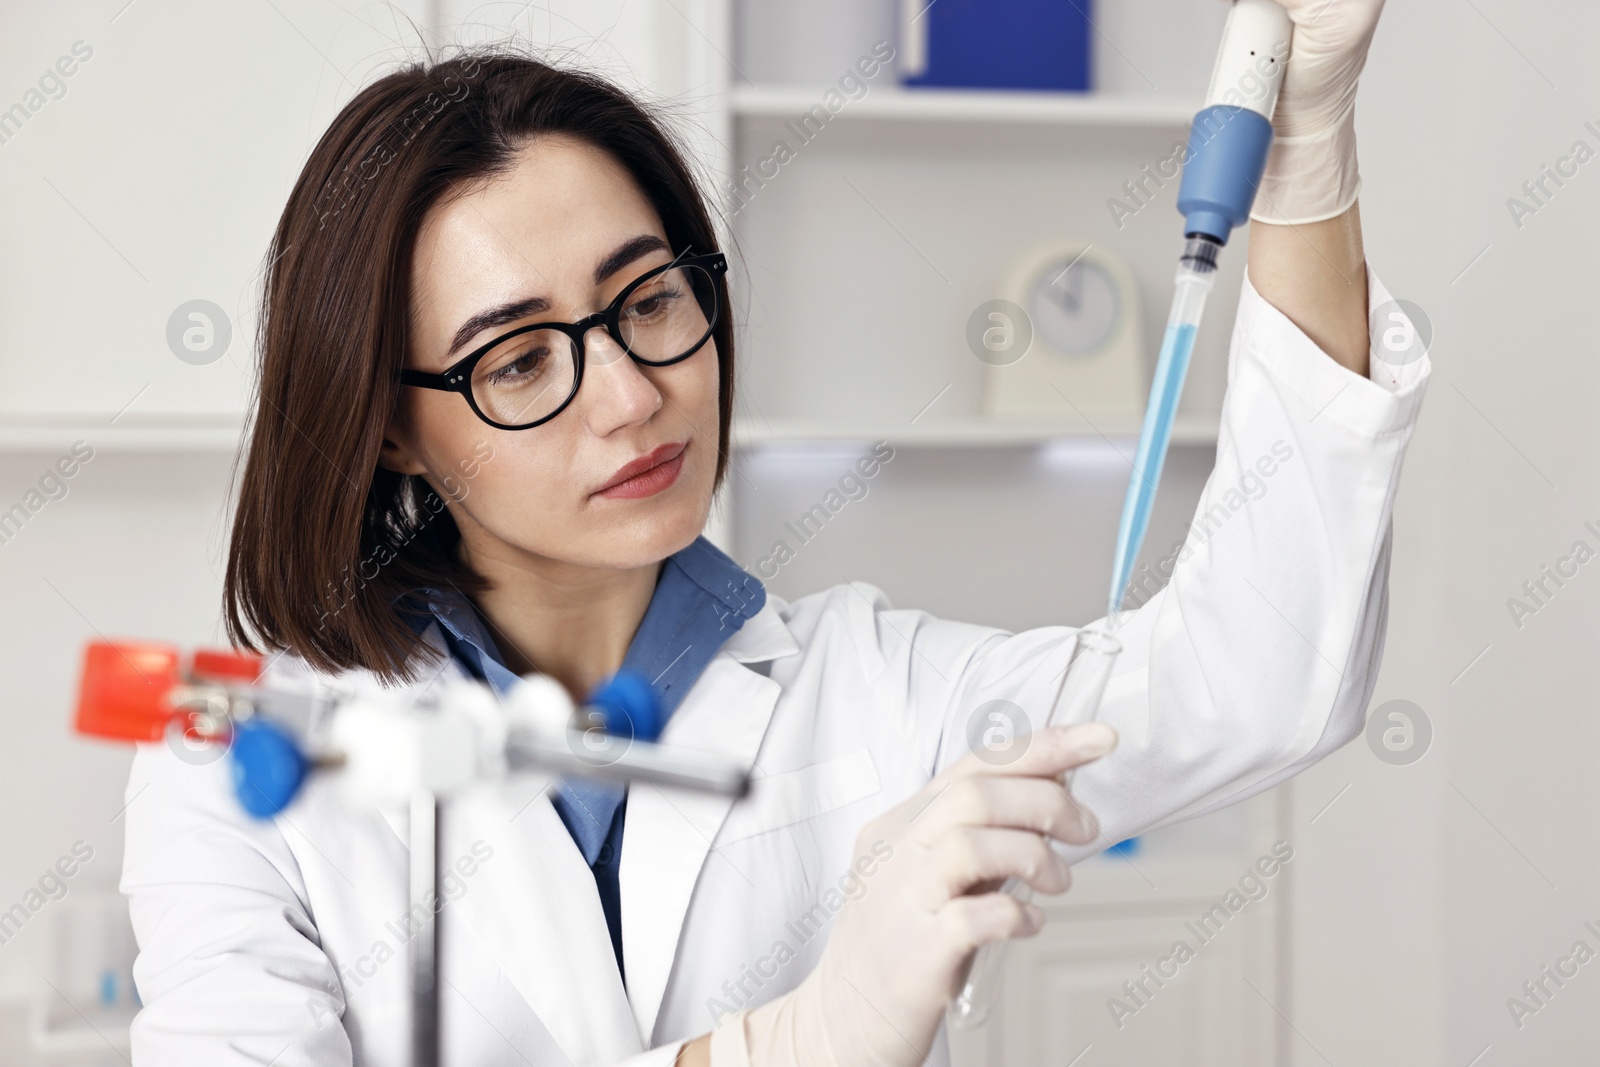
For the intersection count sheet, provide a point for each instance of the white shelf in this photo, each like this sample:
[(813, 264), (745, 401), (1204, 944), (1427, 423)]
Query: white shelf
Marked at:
[(204, 437), (972, 433), (47, 433), (974, 105)]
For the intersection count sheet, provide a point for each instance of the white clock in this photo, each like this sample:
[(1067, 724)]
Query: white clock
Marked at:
[(1064, 339)]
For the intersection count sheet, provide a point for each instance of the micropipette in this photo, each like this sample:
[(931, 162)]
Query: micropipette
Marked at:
[(1222, 168)]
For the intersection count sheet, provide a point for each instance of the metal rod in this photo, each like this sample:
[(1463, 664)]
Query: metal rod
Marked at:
[(580, 753), (424, 945), (617, 759)]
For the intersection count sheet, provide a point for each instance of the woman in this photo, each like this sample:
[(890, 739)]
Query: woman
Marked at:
[(429, 493)]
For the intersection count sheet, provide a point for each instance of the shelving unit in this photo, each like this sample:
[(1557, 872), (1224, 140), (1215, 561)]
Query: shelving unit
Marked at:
[(47, 433), (971, 433), (1042, 153), (946, 105)]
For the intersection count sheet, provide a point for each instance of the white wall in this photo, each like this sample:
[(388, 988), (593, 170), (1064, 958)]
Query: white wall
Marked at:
[(1431, 892), (134, 550)]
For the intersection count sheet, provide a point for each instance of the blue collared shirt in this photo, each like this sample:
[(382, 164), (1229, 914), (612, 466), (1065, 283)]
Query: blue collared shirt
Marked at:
[(701, 599)]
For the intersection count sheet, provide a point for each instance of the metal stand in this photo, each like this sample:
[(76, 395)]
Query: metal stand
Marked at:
[(424, 945), (124, 702)]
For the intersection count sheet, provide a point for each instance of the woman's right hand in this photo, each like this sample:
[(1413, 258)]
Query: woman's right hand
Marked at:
[(1312, 172), (932, 868)]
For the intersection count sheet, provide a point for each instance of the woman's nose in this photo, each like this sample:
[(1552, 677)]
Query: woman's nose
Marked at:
[(600, 348), (616, 390)]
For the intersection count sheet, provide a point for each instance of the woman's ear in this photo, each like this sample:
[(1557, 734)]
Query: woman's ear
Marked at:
[(396, 454)]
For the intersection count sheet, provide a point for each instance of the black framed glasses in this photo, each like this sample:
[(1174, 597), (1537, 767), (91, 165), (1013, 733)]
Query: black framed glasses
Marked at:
[(529, 375)]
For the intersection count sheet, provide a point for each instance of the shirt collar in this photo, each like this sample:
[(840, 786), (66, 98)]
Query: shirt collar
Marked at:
[(701, 601)]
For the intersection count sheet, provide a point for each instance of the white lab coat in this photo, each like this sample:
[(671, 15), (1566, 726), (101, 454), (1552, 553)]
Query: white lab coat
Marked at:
[(280, 942)]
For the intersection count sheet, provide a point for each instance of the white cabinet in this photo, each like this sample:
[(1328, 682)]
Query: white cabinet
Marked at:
[(1144, 961)]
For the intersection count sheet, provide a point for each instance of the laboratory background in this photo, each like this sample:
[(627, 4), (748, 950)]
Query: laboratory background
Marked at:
[(901, 188)]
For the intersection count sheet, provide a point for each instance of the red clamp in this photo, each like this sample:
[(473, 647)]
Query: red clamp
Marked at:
[(128, 688)]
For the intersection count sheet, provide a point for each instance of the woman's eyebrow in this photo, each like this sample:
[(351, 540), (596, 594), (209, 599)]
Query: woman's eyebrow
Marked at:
[(627, 252), (496, 316), (630, 250)]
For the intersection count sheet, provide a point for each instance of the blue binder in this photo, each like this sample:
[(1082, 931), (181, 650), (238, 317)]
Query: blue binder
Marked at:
[(1003, 44)]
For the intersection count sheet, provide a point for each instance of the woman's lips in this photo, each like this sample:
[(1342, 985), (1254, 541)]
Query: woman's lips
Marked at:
[(653, 480)]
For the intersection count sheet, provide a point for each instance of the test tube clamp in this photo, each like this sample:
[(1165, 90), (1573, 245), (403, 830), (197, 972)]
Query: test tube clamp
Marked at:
[(394, 747)]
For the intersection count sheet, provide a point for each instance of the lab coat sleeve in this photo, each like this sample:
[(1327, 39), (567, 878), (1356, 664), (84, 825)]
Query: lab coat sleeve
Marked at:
[(1260, 654), (229, 969)]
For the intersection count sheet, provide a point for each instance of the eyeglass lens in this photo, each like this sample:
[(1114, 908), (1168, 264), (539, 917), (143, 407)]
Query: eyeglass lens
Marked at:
[(527, 377)]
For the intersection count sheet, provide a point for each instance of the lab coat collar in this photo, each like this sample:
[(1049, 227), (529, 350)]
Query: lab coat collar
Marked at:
[(763, 637), (669, 834)]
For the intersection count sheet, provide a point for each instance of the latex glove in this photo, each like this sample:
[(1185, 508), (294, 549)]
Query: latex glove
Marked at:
[(1311, 171), (898, 951)]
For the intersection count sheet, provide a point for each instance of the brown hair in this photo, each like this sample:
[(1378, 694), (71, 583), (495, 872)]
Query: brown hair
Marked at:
[(325, 545)]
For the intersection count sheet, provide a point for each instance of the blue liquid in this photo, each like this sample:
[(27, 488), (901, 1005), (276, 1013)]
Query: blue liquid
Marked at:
[(1171, 369)]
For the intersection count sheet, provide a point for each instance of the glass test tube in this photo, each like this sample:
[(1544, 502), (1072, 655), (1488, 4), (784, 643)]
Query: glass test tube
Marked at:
[(1079, 701)]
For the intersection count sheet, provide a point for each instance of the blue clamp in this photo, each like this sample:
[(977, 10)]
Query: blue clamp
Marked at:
[(266, 765), (629, 707)]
